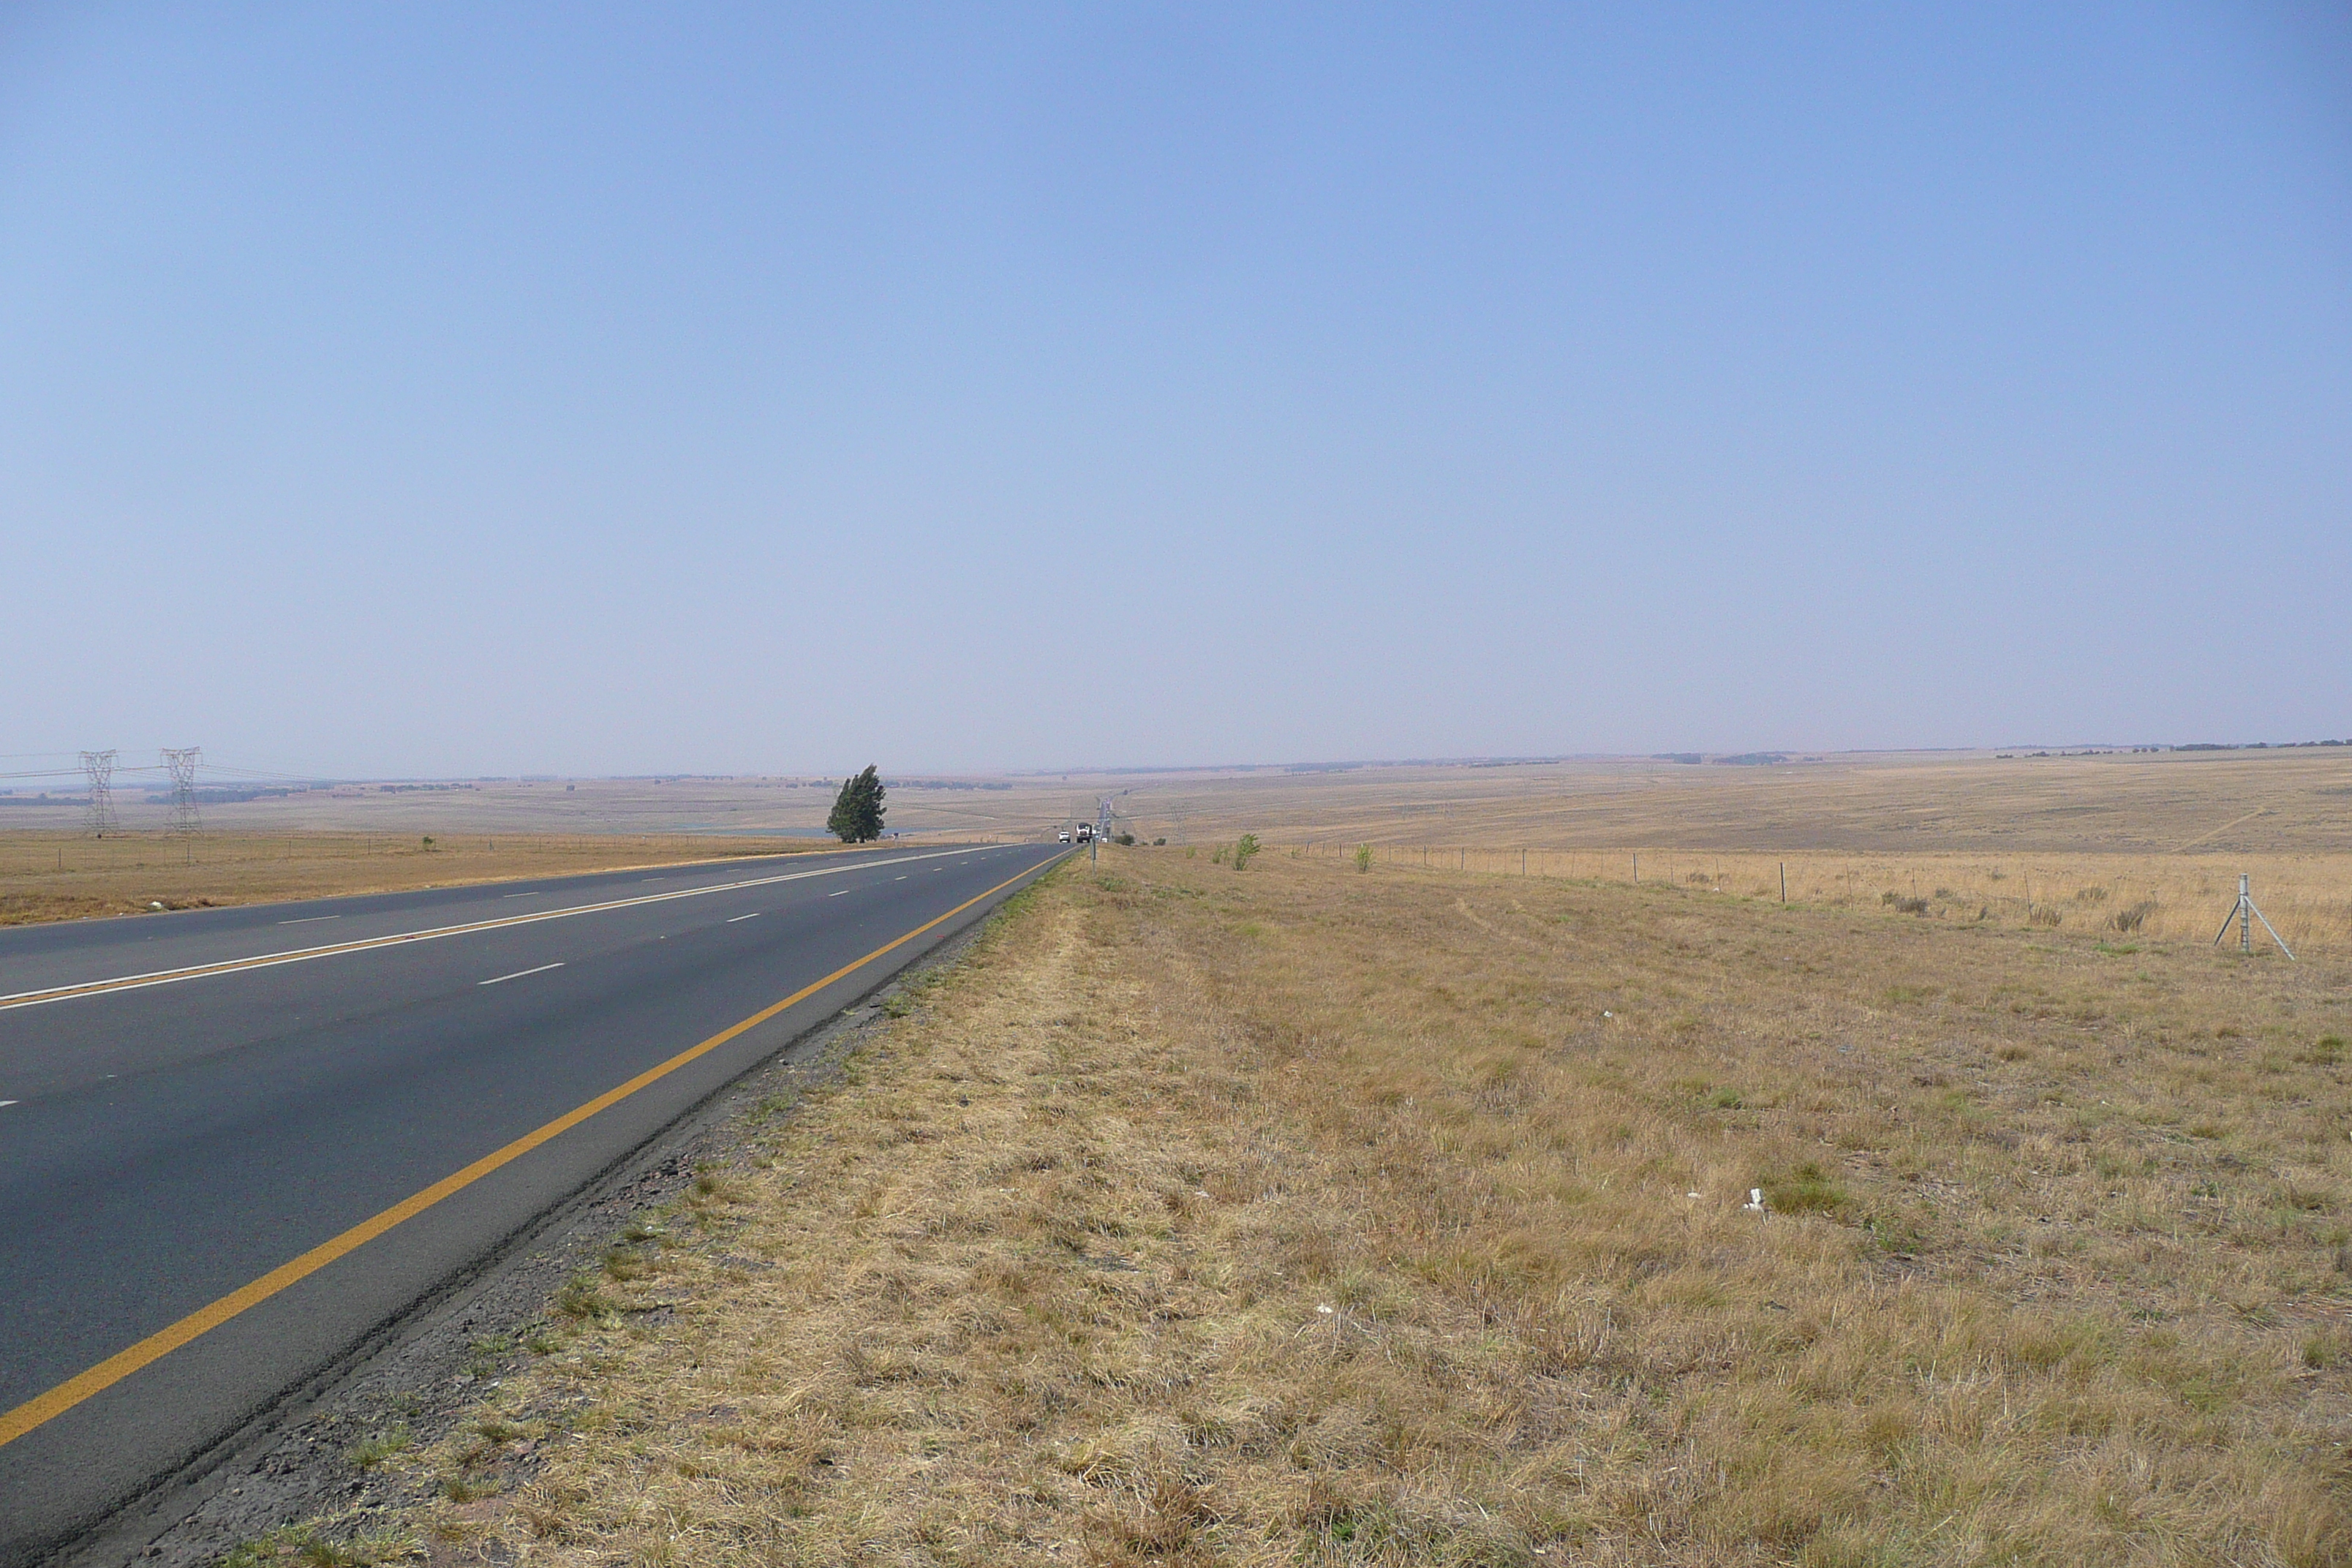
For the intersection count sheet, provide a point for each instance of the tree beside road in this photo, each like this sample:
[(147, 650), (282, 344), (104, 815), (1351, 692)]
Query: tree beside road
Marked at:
[(856, 816)]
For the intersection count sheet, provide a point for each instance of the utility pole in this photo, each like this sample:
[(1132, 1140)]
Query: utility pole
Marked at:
[(181, 763), (99, 820), (2245, 914)]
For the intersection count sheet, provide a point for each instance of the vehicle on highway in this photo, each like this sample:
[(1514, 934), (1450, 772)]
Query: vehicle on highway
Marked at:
[(1062, 837), (1085, 832)]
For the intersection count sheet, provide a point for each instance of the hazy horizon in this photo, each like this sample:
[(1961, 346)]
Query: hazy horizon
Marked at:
[(600, 393), (56, 773)]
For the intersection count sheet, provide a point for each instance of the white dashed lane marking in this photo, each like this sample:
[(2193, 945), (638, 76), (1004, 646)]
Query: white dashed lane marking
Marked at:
[(397, 939), (518, 974)]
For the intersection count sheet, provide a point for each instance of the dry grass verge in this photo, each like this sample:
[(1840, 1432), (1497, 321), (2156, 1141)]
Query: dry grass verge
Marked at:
[(1307, 1216)]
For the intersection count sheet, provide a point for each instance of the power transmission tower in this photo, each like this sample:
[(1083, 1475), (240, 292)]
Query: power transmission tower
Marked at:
[(181, 763), (98, 821), (2245, 914)]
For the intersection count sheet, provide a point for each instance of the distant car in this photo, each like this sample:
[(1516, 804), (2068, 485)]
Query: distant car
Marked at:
[(1062, 837), (1085, 832)]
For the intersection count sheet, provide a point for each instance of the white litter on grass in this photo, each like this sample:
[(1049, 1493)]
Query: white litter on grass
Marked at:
[(1323, 1309), (1755, 1204), (1690, 1195), (1606, 1014)]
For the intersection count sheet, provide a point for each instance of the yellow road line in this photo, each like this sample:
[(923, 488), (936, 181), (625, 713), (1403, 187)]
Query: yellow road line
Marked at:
[(432, 933), (48, 1406)]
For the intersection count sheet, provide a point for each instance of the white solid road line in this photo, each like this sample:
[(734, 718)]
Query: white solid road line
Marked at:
[(431, 933), (6, 1103), (527, 894), (752, 916), (308, 920), (518, 974), (836, 895)]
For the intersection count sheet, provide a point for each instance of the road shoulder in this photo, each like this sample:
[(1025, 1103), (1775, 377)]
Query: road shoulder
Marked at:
[(319, 1457)]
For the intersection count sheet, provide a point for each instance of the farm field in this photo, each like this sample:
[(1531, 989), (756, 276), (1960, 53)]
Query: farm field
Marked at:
[(1402, 1215)]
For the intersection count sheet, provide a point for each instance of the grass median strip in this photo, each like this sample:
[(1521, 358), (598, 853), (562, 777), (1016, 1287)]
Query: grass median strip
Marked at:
[(1305, 1215)]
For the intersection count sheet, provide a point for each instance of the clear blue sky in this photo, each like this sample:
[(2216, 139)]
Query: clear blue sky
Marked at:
[(414, 388)]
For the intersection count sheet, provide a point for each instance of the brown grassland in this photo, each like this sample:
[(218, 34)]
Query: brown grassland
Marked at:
[(1307, 1214), (1319, 1214), (57, 876), (2130, 844)]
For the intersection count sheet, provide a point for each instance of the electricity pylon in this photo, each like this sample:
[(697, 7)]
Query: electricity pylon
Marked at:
[(97, 820), (181, 763)]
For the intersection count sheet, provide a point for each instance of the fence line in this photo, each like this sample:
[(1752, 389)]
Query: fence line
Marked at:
[(2123, 894)]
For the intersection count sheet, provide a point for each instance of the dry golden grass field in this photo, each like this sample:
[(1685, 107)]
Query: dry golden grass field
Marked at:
[(54, 876), (1311, 1215), (1390, 1201), (2132, 844)]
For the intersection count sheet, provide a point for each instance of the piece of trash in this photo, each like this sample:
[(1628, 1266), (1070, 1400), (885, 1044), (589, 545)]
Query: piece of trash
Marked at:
[(1607, 1013), (1322, 1308), (1690, 1195), (157, 905), (1199, 1192), (1755, 1204)]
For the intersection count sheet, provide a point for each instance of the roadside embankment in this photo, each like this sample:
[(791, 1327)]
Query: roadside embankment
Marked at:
[(1301, 1215)]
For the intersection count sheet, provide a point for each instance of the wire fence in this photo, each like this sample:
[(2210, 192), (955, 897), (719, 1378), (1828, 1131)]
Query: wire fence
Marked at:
[(2123, 895)]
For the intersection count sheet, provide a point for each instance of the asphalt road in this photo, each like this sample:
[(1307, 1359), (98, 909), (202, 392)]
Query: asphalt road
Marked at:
[(214, 1185)]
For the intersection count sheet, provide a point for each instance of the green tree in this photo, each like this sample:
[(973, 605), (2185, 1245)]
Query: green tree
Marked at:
[(858, 811)]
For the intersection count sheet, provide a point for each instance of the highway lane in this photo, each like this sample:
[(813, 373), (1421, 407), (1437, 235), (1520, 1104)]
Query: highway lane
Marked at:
[(175, 1142)]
